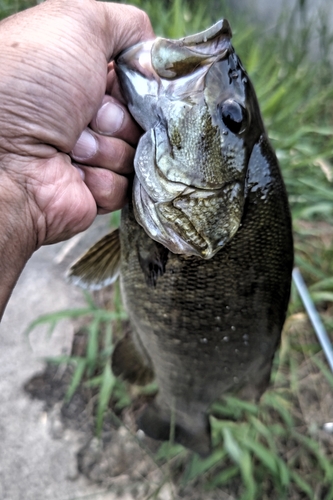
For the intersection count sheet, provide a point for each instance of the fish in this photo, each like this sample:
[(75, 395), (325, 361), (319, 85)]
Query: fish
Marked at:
[(204, 250)]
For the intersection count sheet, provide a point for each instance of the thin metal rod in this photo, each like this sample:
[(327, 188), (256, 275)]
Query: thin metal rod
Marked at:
[(314, 316)]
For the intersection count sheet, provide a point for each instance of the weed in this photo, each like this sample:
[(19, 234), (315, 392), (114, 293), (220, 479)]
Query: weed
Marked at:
[(93, 368)]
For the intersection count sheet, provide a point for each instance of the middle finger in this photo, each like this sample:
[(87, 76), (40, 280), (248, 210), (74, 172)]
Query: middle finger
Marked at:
[(101, 151)]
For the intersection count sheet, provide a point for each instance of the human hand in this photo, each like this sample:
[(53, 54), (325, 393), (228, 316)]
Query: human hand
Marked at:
[(53, 76)]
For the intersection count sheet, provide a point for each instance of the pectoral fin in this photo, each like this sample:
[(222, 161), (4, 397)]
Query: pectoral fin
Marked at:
[(99, 266), (129, 364), (153, 258)]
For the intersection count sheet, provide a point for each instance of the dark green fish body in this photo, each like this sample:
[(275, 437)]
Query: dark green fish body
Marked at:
[(206, 245), (211, 327)]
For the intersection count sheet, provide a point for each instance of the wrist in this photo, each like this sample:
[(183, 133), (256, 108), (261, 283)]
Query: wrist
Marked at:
[(18, 237)]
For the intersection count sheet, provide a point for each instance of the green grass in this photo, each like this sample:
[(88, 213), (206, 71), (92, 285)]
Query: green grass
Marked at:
[(274, 450), (9, 7), (93, 368)]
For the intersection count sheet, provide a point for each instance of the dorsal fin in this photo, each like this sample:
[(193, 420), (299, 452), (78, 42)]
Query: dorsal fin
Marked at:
[(99, 266)]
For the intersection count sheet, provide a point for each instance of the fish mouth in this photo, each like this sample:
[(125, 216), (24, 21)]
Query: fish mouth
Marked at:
[(162, 58), (195, 223)]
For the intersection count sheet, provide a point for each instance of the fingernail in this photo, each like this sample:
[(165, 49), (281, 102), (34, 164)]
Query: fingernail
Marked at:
[(109, 118), (86, 146)]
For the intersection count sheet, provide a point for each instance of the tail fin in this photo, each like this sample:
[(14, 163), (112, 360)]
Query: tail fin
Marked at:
[(157, 425)]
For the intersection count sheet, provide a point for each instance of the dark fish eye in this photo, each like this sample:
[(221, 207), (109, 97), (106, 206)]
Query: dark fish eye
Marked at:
[(234, 116)]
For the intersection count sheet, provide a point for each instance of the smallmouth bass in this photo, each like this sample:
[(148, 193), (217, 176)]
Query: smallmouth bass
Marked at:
[(204, 250)]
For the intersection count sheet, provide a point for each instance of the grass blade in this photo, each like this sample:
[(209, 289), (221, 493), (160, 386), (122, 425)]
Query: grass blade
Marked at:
[(76, 379), (107, 385)]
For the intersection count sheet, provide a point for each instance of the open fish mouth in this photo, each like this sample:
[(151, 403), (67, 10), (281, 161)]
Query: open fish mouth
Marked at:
[(196, 222), (163, 58)]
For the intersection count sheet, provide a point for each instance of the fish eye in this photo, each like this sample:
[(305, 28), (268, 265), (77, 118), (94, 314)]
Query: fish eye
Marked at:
[(234, 116)]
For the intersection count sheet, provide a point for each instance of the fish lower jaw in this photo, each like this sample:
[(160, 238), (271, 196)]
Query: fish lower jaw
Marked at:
[(170, 226), (181, 228), (182, 225)]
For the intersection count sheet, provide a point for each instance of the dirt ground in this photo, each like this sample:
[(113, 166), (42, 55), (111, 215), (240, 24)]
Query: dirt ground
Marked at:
[(36, 463)]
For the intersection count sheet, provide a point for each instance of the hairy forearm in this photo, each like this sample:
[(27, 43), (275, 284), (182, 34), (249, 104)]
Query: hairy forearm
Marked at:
[(17, 236)]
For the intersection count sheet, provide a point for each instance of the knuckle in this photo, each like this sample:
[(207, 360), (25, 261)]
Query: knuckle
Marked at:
[(143, 24), (146, 26)]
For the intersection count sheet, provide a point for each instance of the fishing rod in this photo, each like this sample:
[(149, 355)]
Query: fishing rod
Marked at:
[(314, 316)]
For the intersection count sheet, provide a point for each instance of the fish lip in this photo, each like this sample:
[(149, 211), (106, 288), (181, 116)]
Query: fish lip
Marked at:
[(151, 216), (221, 27)]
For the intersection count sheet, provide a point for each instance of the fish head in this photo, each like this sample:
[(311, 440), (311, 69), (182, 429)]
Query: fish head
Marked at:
[(202, 119)]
